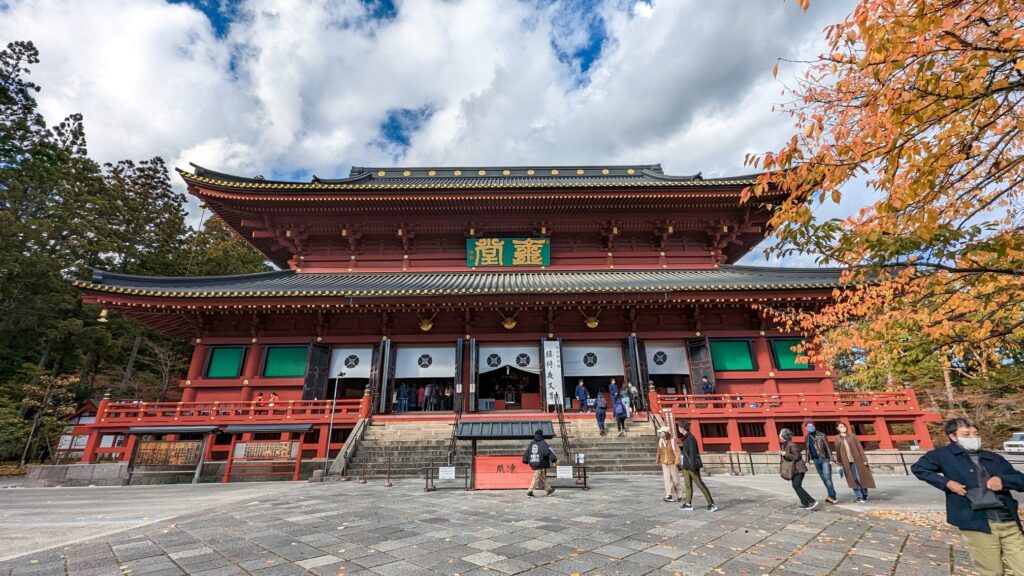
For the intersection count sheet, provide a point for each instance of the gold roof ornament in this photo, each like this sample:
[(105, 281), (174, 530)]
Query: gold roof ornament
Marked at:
[(103, 316), (426, 324), (508, 322)]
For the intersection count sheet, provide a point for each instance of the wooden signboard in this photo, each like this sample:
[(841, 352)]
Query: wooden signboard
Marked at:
[(501, 472)]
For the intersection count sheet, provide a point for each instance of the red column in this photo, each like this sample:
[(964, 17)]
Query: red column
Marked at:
[(924, 438), (695, 430), (652, 399), (364, 404), (772, 432), (189, 394), (763, 354), (195, 368), (882, 431), (89, 452), (323, 449), (733, 429)]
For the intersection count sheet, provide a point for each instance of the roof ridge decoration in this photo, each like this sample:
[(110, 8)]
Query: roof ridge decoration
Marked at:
[(472, 177)]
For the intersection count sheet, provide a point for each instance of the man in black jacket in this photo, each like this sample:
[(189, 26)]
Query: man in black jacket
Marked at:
[(819, 453), (539, 456), (977, 484), (689, 459)]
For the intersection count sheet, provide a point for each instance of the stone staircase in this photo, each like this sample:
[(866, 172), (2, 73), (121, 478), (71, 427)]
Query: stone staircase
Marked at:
[(412, 445)]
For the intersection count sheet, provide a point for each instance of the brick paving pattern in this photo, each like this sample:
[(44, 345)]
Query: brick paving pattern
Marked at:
[(619, 527)]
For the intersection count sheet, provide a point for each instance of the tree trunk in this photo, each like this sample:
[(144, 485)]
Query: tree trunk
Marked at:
[(948, 380), (131, 362)]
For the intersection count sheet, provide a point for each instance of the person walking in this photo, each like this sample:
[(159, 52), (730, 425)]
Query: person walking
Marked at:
[(691, 465), (626, 401), (600, 411), (977, 484), (582, 396), (793, 468), (849, 454), (540, 457), (420, 392), (668, 456), (613, 390), (428, 394), (819, 453), (403, 398), (619, 411), (634, 397)]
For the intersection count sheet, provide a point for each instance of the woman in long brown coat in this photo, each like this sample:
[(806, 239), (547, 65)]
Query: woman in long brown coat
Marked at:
[(850, 454)]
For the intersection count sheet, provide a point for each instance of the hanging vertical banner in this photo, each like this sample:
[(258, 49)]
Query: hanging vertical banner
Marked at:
[(553, 371)]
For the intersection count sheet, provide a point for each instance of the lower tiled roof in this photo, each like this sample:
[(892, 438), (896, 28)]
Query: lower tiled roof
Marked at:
[(287, 283)]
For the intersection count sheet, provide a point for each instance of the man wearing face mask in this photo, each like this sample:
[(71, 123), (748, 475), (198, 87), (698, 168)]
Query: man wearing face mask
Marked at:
[(819, 453), (977, 484)]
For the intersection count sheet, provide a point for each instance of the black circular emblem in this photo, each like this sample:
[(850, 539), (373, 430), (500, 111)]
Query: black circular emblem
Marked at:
[(660, 357), (494, 360), (590, 359), (523, 360), (351, 361), (425, 361)]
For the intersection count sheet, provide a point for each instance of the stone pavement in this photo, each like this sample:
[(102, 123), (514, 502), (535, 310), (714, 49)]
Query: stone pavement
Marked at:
[(619, 527)]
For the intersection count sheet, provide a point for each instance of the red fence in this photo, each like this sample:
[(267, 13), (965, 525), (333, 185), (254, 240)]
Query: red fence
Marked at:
[(216, 413), (903, 403)]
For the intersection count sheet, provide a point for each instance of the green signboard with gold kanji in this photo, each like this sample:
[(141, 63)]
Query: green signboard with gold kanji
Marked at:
[(508, 252)]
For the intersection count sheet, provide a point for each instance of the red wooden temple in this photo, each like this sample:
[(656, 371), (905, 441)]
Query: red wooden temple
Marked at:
[(491, 289)]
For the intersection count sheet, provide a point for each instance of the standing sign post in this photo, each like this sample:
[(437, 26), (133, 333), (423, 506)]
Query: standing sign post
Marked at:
[(552, 373)]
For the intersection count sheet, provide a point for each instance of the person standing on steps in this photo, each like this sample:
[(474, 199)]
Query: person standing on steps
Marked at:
[(619, 411), (626, 402), (582, 396), (977, 484), (820, 454), (668, 456), (613, 390), (793, 468), (403, 398), (540, 457), (850, 455), (691, 464), (600, 410)]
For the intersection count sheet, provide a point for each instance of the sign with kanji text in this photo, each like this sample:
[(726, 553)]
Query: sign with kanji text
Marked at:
[(446, 473), (501, 472), (551, 367), (508, 252)]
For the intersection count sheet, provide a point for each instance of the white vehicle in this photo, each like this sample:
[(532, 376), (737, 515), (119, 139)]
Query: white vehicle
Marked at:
[(1015, 443)]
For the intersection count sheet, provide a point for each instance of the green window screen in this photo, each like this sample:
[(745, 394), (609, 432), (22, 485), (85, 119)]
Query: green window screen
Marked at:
[(731, 355), (785, 359), (286, 362), (225, 362)]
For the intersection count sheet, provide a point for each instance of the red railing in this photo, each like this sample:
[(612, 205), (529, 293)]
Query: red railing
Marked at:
[(793, 405), (180, 413)]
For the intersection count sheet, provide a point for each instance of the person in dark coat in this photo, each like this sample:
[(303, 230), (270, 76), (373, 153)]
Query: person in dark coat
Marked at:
[(977, 484), (600, 410), (619, 411), (849, 453), (793, 468), (582, 396), (820, 455), (689, 459), (540, 457), (403, 398)]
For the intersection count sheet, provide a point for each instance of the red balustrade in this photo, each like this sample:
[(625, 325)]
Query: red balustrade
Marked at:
[(217, 413), (902, 403)]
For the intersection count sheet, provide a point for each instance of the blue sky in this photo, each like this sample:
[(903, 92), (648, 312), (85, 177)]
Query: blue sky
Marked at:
[(291, 88)]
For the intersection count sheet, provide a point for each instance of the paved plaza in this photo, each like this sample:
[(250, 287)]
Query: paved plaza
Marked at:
[(348, 529)]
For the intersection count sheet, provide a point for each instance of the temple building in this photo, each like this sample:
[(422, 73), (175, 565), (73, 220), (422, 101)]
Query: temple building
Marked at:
[(491, 290)]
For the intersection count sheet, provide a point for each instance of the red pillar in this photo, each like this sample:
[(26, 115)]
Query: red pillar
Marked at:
[(772, 432), (695, 430), (364, 404), (882, 431), (323, 449), (733, 429), (652, 399), (89, 452), (924, 437), (195, 368)]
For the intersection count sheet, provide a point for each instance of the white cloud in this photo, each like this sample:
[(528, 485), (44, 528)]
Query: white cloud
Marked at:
[(303, 86)]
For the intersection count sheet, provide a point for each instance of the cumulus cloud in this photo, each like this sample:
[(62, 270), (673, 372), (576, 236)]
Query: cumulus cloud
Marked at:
[(313, 86)]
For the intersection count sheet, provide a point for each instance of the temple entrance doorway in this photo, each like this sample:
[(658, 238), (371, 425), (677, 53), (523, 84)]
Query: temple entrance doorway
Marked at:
[(668, 367), (423, 395), (509, 388)]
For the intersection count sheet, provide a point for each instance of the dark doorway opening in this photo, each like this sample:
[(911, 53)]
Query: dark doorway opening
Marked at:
[(423, 394), (508, 388)]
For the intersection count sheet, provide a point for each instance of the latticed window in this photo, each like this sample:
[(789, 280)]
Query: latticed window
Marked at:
[(285, 362), (731, 355), (225, 362), (785, 357)]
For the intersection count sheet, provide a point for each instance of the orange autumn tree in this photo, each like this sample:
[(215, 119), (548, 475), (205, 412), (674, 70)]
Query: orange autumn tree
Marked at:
[(922, 101)]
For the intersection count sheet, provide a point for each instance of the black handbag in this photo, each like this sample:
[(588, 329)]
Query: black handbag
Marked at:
[(983, 499)]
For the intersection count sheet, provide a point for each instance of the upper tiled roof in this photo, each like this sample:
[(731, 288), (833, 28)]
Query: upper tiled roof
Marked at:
[(285, 284), (472, 177)]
